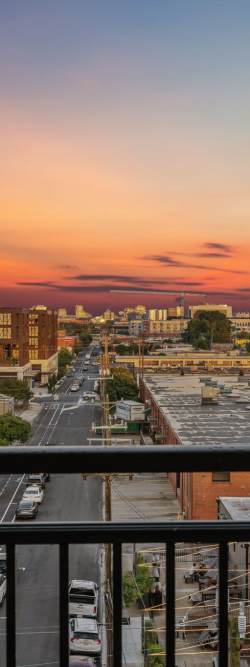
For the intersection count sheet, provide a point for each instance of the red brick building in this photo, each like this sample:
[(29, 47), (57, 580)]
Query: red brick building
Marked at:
[(179, 417), (28, 342)]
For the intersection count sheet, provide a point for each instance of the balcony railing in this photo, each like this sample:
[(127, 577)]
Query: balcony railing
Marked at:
[(123, 460)]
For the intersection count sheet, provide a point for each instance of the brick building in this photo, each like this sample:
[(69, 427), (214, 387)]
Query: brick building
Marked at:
[(28, 343), (14, 344), (43, 354), (179, 417)]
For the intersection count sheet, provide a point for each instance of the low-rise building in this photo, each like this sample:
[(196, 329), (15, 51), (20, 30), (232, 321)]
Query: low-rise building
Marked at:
[(237, 509), (179, 415), (6, 405), (240, 324), (192, 362), (68, 342), (219, 308), (174, 327)]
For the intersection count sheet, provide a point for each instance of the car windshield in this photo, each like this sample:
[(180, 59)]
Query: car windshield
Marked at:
[(32, 492), (82, 595), (86, 635), (25, 504)]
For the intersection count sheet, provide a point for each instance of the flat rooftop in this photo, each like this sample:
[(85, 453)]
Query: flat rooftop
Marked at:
[(238, 508), (179, 400)]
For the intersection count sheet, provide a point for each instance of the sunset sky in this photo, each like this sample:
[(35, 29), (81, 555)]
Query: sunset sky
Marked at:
[(125, 150)]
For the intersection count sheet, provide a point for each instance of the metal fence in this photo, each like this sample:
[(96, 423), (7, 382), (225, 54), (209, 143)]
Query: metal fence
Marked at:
[(123, 460)]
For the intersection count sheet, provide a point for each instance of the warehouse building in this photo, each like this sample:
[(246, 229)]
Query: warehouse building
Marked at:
[(193, 411)]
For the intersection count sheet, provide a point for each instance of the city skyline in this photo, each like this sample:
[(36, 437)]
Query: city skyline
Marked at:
[(124, 137)]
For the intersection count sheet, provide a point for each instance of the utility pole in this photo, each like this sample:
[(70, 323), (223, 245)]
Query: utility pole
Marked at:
[(107, 483), (141, 343)]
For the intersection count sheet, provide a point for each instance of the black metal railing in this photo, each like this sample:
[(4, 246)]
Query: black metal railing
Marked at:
[(120, 460)]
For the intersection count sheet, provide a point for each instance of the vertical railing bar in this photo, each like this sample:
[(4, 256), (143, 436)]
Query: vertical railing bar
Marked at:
[(63, 604), (117, 604), (11, 606), (223, 604), (170, 603)]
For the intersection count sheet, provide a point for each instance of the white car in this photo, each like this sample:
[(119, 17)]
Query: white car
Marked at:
[(34, 493), (90, 396), (74, 387), (2, 588), (83, 598), (84, 638)]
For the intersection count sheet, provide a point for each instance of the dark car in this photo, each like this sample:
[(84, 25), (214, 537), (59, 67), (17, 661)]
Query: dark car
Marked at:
[(26, 509)]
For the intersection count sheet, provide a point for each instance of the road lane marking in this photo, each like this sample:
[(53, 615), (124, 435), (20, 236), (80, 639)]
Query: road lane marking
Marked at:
[(11, 501), (5, 485)]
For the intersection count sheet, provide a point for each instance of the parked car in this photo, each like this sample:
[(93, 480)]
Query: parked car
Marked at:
[(90, 396), (81, 661), (26, 509), (34, 493), (37, 479), (3, 564), (2, 588), (84, 637), (83, 598)]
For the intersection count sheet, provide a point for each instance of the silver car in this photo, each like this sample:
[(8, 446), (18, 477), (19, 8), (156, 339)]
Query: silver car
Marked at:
[(84, 638)]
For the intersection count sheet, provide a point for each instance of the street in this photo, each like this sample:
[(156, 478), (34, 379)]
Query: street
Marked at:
[(67, 498)]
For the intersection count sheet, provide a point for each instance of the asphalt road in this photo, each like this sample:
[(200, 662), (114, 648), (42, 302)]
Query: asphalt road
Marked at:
[(66, 421)]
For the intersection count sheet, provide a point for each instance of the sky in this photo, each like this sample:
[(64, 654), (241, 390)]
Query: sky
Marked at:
[(125, 151)]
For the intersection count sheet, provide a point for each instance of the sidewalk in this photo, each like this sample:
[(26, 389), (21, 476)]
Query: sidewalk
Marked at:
[(30, 413), (144, 498)]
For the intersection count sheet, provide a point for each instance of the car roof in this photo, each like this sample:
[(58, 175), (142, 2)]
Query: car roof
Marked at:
[(33, 487), (82, 583), (25, 501), (88, 624)]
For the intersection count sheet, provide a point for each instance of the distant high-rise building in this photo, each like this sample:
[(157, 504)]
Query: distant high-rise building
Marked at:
[(108, 315), (219, 308), (62, 312), (141, 310), (152, 314), (81, 313)]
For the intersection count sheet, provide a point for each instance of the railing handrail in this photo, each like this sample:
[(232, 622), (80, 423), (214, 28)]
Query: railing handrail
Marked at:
[(96, 532), (138, 458)]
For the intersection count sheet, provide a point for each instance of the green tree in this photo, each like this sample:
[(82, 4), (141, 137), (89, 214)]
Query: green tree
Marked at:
[(85, 338), (64, 357), (14, 428), (3, 442), (122, 385), (51, 382), (122, 349), (209, 327), (16, 388), (128, 589)]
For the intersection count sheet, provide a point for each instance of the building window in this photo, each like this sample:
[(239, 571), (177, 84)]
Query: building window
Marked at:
[(5, 332), (33, 342), (33, 331), (221, 476), (33, 354), (5, 318)]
